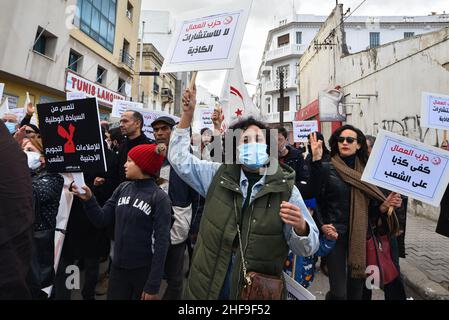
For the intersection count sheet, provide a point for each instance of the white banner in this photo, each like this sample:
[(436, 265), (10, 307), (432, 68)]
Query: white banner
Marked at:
[(302, 129), (206, 118), (2, 87), (149, 117), (75, 96), (120, 106), (208, 39), (105, 96), (435, 111), (295, 291), (408, 167)]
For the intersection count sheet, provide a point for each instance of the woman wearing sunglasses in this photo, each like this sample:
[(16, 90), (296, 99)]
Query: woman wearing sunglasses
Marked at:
[(346, 206)]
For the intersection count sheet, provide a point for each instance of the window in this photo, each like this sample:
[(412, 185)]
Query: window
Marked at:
[(284, 40), (298, 37), (45, 43), (74, 61), (374, 39), (269, 108), (97, 20), (125, 56), (101, 75), (121, 86), (286, 71), (298, 102), (286, 104), (409, 35), (129, 11)]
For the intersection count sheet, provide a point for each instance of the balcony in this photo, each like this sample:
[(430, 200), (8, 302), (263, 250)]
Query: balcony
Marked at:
[(126, 59), (266, 70), (273, 86), (166, 95), (289, 116), (285, 52)]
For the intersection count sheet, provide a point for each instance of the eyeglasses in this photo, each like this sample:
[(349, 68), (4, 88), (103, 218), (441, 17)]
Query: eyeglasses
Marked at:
[(349, 140)]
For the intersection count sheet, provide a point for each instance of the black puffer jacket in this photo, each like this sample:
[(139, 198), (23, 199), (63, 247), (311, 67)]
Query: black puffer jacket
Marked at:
[(333, 203), (47, 190)]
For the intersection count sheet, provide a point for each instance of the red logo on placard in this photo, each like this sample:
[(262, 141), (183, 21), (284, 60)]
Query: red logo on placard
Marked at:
[(69, 146), (228, 20), (436, 161)]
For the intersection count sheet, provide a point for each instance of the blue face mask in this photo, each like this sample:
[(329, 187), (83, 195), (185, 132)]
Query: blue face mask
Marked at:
[(253, 155), (11, 127)]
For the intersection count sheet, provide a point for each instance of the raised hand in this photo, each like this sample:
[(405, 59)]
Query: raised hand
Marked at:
[(317, 147), (31, 109), (393, 200), (189, 100)]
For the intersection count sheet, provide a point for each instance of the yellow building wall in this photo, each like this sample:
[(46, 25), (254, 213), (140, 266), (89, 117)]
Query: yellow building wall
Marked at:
[(19, 89)]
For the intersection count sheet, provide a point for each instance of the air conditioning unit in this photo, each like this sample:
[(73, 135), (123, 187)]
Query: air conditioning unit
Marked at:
[(165, 92)]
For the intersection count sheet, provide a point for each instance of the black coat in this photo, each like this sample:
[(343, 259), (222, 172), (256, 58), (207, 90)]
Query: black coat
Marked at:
[(16, 194), (83, 239), (443, 221), (333, 203), (126, 146)]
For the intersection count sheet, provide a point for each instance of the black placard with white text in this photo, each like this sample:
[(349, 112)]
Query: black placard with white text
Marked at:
[(71, 136)]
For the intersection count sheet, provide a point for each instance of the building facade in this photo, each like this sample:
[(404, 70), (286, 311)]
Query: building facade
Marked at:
[(382, 86), (287, 42), (157, 91), (54, 47)]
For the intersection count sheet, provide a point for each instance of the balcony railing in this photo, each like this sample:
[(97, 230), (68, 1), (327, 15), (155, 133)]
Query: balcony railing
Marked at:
[(127, 59), (273, 86), (289, 116), (285, 51)]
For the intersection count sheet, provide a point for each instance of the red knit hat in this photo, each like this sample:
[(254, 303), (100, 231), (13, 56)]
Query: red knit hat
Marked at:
[(147, 159)]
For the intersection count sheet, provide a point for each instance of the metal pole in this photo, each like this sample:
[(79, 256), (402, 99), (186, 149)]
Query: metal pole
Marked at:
[(281, 93), (141, 61)]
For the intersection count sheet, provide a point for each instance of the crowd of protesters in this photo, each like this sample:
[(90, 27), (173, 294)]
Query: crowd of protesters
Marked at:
[(181, 195)]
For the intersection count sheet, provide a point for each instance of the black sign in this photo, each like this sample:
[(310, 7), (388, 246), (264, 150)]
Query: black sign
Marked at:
[(71, 136)]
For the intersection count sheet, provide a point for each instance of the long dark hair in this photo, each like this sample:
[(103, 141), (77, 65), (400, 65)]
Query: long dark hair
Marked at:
[(362, 153)]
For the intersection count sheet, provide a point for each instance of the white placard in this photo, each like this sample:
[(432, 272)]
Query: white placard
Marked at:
[(76, 96), (208, 39), (302, 129), (19, 112), (119, 107), (2, 87), (295, 291), (435, 111), (408, 167), (206, 118), (78, 178), (149, 117)]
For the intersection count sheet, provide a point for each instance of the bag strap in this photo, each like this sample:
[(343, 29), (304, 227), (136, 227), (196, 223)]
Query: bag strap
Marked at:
[(245, 275), (376, 248)]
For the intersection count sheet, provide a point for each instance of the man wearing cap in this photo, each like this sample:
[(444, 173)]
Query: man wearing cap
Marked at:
[(181, 196), (131, 125)]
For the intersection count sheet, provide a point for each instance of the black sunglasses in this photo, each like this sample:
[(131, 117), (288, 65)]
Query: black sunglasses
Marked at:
[(348, 139)]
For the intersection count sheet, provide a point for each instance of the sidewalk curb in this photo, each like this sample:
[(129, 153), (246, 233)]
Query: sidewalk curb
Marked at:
[(418, 281)]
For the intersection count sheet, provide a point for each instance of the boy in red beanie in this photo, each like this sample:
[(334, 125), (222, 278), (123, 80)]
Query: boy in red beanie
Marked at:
[(142, 215)]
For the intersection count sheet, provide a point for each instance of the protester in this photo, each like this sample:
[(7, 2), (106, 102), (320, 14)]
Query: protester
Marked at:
[(292, 157), (349, 205), (269, 222), (131, 125), (141, 211), (47, 189), (394, 290), (181, 196), (85, 244), (443, 221), (11, 122), (31, 130), (16, 218), (115, 139)]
